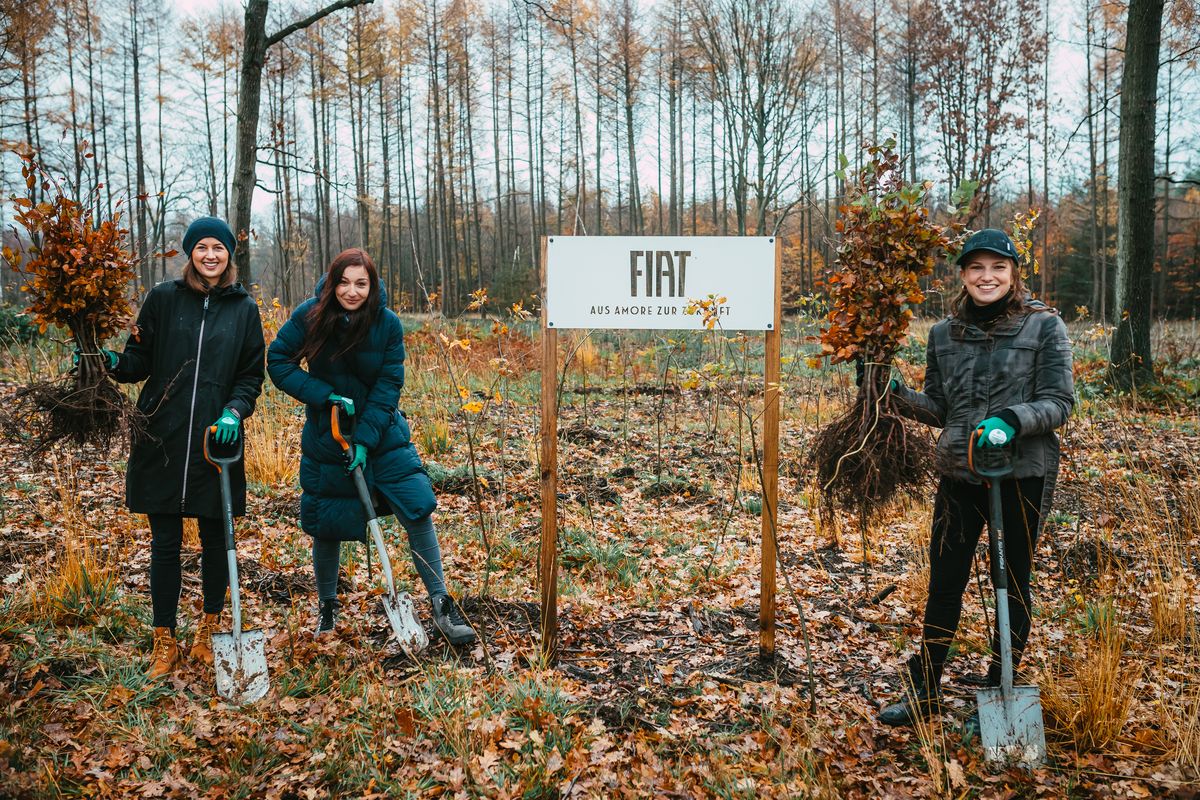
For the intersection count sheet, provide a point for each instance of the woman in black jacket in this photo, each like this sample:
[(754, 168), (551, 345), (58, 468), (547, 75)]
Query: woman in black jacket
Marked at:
[(997, 370), (199, 347)]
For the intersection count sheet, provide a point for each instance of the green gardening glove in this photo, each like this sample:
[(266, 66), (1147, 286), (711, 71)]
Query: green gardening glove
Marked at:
[(345, 402), (227, 427), (360, 458), (994, 432)]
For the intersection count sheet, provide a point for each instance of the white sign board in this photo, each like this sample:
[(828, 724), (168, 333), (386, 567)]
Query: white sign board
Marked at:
[(645, 282)]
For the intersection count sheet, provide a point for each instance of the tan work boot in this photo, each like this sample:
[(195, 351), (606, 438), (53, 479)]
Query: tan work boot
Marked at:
[(202, 643), (166, 654)]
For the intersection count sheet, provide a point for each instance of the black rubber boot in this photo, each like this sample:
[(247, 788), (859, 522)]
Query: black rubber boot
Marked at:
[(327, 616), (450, 622), (922, 698)]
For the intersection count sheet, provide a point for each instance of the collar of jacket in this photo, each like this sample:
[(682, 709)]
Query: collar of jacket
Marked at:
[(964, 329), (233, 290)]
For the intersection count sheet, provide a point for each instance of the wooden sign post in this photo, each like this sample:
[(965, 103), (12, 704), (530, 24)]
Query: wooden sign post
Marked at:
[(644, 282)]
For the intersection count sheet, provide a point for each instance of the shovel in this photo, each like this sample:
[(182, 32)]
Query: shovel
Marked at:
[(1010, 717), (401, 612), (238, 657)]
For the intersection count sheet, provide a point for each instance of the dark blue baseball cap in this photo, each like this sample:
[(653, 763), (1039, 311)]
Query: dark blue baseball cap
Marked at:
[(991, 240)]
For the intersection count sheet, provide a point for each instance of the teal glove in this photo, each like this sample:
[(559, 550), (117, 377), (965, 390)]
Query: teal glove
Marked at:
[(360, 458), (227, 427), (994, 432), (345, 402), (110, 358)]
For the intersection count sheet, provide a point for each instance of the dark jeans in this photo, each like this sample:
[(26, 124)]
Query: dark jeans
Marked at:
[(166, 581), (960, 514), (423, 545)]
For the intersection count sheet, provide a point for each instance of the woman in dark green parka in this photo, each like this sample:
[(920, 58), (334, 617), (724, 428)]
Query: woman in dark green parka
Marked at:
[(999, 365), (354, 349), (199, 347)]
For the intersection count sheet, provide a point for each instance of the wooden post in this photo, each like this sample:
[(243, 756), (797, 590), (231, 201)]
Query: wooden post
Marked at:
[(770, 471), (548, 574)]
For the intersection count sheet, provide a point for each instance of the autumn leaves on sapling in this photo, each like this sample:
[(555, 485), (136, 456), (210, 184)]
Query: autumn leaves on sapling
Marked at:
[(889, 245), (76, 274)]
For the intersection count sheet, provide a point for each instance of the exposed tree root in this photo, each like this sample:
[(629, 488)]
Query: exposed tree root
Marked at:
[(93, 412), (865, 457)]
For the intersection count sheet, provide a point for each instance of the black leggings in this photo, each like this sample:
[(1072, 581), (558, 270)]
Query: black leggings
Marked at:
[(166, 582), (960, 514)]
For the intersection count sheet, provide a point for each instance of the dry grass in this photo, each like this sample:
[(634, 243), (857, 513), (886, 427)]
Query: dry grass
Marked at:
[(1088, 696), (79, 587), (273, 439), (78, 584), (1171, 609), (1181, 725), (432, 435)]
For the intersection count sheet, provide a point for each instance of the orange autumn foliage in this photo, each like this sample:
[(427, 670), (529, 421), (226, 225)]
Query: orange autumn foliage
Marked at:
[(889, 243), (77, 271)]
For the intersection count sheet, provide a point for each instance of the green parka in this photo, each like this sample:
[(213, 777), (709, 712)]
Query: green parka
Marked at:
[(1021, 364)]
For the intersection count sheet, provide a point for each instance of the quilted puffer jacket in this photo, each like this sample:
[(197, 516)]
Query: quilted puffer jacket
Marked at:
[(371, 375), (1021, 364)]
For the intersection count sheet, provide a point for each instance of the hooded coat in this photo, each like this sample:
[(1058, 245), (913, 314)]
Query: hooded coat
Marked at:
[(1021, 364), (372, 375), (198, 354)]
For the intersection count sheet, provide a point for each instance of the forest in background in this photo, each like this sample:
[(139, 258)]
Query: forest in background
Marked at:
[(447, 137)]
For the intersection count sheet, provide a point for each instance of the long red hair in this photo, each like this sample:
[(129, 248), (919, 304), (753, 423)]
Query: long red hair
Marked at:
[(324, 318)]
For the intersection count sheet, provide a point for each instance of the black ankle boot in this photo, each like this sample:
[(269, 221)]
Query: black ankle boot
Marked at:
[(922, 697), (915, 706), (327, 616)]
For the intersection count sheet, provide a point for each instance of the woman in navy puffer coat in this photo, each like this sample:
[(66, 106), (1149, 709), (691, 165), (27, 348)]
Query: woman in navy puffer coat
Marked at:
[(354, 349)]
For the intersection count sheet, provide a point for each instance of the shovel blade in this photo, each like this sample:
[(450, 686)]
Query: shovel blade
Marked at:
[(402, 615), (1012, 732), (241, 671)]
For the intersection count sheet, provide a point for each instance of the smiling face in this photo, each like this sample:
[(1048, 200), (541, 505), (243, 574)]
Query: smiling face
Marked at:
[(354, 288), (210, 258), (987, 276)]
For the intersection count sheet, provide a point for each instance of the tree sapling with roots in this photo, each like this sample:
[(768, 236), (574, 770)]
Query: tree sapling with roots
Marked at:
[(889, 244), (76, 273)]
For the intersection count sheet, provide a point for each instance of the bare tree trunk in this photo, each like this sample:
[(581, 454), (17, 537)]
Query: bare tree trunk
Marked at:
[(97, 150), (139, 153), (1131, 356), (1159, 308), (254, 49), (1104, 316), (1093, 189), (319, 175), (160, 101), (68, 20)]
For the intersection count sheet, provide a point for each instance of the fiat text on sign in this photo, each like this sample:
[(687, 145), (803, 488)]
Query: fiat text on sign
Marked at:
[(646, 282)]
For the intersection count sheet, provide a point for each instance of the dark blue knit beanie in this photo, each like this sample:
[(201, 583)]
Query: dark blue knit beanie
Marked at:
[(205, 227)]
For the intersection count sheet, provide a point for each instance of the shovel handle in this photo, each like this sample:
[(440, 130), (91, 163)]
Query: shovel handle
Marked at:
[(991, 478), (335, 427), (360, 482), (1002, 463), (217, 461)]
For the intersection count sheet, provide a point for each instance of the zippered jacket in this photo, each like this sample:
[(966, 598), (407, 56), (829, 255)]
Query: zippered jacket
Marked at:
[(1021, 365), (198, 355), (372, 375)]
